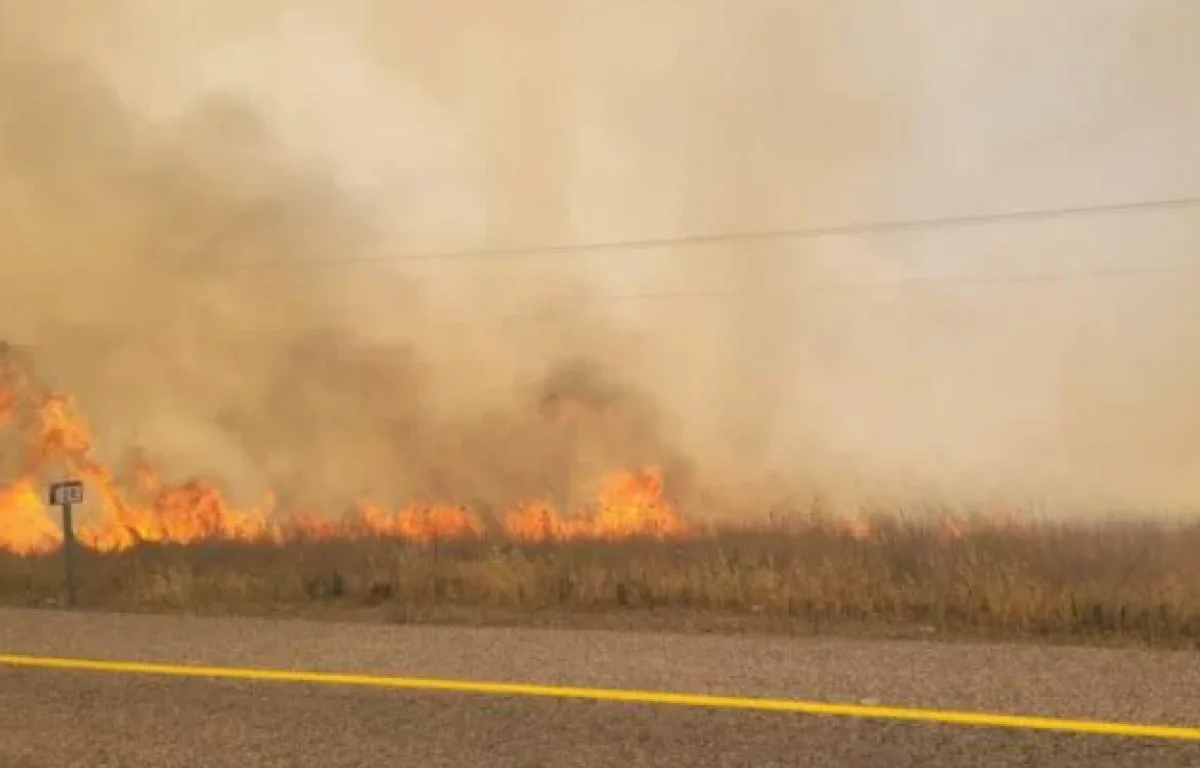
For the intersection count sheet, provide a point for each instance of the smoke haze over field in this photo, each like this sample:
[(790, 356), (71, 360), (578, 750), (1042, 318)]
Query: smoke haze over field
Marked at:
[(152, 153)]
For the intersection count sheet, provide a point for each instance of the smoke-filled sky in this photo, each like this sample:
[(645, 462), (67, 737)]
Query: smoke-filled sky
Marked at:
[(148, 148)]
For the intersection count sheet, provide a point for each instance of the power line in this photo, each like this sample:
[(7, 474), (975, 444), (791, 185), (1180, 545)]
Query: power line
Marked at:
[(748, 236), (1190, 268), (1132, 273), (565, 303)]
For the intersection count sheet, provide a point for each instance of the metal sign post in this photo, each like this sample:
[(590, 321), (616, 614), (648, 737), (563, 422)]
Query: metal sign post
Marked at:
[(65, 495)]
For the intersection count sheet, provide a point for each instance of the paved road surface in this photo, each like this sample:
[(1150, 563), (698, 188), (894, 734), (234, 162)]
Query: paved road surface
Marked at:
[(52, 719)]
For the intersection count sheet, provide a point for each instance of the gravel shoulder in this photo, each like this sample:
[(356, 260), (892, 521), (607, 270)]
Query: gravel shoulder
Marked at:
[(1126, 685), (78, 720)]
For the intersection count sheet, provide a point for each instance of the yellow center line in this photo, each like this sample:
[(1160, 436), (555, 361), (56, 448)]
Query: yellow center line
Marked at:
[(661, 698)]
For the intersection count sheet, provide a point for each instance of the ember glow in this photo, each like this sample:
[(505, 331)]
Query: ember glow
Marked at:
[(123, 509)]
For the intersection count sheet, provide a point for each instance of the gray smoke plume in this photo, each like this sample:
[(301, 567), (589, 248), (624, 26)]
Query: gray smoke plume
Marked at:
[(198, 202)]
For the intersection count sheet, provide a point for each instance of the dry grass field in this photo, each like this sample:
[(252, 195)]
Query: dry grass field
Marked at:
[(1122, 582)]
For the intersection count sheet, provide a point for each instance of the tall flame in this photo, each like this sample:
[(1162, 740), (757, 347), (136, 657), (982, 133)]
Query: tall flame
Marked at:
[(24, 526), (55, 441), (629, 503), (138, 506)]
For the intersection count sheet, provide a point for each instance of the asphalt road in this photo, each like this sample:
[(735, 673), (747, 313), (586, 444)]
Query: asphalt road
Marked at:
[(51, 718)]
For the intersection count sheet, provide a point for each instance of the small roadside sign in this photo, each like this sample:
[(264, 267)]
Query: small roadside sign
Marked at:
[(66, 492)]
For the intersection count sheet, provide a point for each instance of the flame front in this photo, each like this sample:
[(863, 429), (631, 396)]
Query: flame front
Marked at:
[(24, 526), (55, 440), (629, 503)]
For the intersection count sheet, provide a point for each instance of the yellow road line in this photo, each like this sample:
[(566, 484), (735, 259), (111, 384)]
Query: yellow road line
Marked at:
[(662, 698)]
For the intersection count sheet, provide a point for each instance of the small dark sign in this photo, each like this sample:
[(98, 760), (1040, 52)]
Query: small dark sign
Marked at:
[(66, 492)]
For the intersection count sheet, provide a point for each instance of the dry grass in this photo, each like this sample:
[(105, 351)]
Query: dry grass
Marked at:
[(1122, 582)]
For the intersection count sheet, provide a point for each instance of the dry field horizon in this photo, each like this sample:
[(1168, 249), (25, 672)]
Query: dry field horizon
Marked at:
[(1121, 581)]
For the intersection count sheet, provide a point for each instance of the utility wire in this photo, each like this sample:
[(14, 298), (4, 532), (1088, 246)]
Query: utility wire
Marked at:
[(566, 303), (748, 236), (1129, 273)]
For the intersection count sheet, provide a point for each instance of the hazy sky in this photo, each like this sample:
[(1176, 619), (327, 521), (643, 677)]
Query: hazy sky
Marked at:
[(534, 122)]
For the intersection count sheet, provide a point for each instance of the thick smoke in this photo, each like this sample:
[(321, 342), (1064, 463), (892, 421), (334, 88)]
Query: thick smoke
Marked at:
[(191, 196), (181, 213)]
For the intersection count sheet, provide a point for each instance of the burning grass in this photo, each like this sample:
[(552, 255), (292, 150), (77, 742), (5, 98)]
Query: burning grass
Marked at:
[(133, 504), (628, 555), (1122, 582)]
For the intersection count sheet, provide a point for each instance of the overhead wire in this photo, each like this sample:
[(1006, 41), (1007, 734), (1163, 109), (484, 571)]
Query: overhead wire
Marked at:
[(582, 300), (879, 227), (863, 228)]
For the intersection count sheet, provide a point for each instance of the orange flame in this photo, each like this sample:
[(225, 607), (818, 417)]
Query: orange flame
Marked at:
[(419, 524), (145, 509), (629, 503), (24, 527), (120, 513)]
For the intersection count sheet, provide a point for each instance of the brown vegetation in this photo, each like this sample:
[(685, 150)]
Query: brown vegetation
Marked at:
[(1116, 581)]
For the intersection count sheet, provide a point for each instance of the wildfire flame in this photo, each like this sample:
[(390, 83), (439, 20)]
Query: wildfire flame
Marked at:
[(122, 511), (627, 503), (55, 440), (25, 528)]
